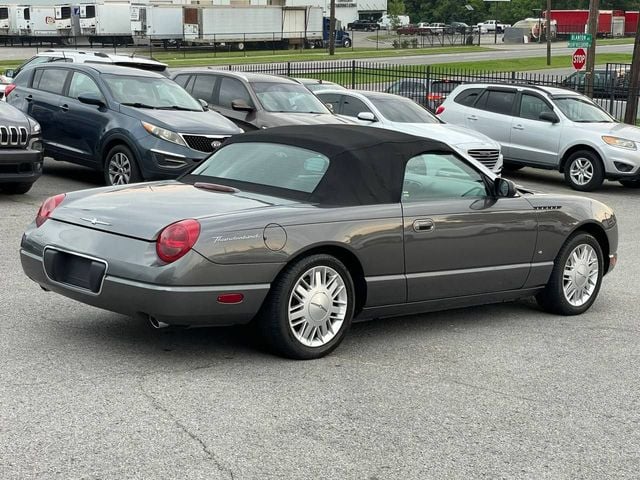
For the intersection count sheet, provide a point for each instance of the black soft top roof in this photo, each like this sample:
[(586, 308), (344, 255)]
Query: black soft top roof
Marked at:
[(367, 163)]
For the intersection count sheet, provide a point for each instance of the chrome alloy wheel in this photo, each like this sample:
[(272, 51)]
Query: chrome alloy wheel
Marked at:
[(581, 171), (580, 275), (317, 306), (119, 169)]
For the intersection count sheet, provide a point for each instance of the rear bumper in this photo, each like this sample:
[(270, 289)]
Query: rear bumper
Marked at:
[(174, 305), (20, 165)]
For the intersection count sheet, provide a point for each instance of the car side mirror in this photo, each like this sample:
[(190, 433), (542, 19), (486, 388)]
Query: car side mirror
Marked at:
[(204, 104), (241, 106), (329, 107), (90, 99), (9, 73), (367, 116), (549, 117), (505, 188)]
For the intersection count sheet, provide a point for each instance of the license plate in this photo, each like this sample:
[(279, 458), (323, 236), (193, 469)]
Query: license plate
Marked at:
[(74, 270)]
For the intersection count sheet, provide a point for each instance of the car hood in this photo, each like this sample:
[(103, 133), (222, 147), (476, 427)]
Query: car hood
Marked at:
[(622, 130), (12, 116), (273, 119), (447, 133), (143, 210), (206, 123)]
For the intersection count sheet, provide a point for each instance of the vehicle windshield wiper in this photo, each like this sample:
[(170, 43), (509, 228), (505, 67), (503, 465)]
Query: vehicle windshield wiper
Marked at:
[(138, 105), (215, 187), (177, 107)]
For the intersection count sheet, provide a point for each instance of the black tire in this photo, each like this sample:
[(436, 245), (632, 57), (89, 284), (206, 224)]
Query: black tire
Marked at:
[(629, 183), (552, 298), (273, 320), (593, 165), (113, 159), (16, 188), (512, 167), (346, 43)]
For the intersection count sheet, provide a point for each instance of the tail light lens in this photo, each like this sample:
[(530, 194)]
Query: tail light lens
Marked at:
[(439, 110), (47, 208), (177, 239), (435, 96), (8, 89)]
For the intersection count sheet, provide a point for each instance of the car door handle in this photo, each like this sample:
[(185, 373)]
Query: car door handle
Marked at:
[(518, 127), (64, 108), (472, 117), (28, 98), (424, 225)]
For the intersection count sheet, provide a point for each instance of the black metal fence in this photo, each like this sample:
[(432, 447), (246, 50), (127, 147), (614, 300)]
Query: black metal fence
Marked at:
[(429, 85)]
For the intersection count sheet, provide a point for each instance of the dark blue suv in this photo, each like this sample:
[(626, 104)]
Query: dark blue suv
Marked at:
[(131, 124)]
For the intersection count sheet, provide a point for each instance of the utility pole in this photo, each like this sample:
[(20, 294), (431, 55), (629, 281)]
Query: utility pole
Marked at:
[(548, 32), (634, 82), (594, 11), (332, 28)]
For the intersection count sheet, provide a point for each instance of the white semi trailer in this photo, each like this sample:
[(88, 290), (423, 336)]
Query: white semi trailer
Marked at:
[(239, 27), (36, 21), (106, 21)]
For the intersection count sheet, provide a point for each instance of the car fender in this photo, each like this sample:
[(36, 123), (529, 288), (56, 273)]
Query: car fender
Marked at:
[(576, 145), (118, 135)]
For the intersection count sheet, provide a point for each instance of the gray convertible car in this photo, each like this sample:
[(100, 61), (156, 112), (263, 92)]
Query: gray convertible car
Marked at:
[(303, 229)]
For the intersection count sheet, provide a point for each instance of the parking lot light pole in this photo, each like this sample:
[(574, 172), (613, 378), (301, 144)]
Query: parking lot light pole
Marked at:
[(594, 7), (634, 82), (548, 32), (332, 28)]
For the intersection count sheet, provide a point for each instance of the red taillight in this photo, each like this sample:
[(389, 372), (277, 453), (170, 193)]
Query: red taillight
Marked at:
[(435, 96), (8, 89), (439, 110), (47, 208), (177, 239)]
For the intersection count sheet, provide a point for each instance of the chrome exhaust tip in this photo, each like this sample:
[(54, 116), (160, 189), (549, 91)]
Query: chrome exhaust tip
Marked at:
[(155, 323)]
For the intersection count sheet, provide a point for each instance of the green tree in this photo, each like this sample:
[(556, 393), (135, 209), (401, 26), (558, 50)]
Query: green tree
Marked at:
[(394, 9)]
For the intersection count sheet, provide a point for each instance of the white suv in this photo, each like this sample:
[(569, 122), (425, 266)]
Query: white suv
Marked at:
[(77, 56), (549, 128), (384, 110)]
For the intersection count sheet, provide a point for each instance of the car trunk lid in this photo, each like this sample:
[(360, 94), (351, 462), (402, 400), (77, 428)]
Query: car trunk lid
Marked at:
[(141, 211)]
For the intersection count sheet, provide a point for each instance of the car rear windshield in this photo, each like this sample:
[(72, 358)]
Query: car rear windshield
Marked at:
[(287, 97), (582, 110), (402, 110), (266, 164), (150, 92)]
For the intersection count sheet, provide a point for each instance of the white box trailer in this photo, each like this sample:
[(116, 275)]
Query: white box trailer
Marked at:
[(106, 21), (245, 25), (5, 19), (151, 23), (36, 21), (237, 26), (67, 19)]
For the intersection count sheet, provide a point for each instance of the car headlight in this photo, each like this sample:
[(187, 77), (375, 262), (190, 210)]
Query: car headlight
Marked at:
[(619, 142), (164, 134), (35, 127)]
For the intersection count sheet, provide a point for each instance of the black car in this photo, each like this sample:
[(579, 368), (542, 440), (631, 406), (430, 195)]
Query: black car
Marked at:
[(20, 150), (607, 83), (255, 100), (131, 124), (366, 25), (428, 93)]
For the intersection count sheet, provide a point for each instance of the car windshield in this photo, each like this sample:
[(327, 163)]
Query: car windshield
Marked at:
[(287, 97), (402, 110), (149, 92), (581, 110), (267, 164)]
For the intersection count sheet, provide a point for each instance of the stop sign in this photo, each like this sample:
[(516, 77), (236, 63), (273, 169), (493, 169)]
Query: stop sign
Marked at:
[(579, 58)]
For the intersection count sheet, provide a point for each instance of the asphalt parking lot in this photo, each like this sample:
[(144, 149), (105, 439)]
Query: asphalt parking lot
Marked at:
[(502, 391)]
